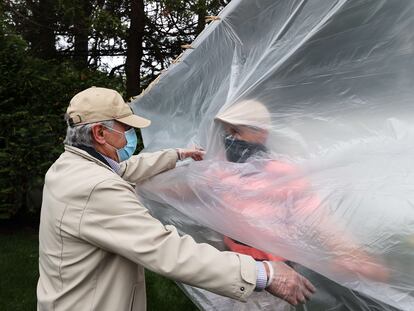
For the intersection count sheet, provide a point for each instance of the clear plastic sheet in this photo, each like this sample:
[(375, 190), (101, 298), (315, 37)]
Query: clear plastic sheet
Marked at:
[(305, 109)]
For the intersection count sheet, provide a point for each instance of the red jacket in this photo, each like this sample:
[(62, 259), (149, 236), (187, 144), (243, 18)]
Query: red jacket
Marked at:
[(276, 192)]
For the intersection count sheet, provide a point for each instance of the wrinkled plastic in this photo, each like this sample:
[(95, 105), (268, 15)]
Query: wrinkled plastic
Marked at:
[(332, 192)]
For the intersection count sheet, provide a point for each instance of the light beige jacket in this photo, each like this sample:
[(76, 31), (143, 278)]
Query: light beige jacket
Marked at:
[(96, 238)]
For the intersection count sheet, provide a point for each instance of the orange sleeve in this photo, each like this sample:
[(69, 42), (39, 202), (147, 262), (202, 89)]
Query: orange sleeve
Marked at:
[(257, 254)]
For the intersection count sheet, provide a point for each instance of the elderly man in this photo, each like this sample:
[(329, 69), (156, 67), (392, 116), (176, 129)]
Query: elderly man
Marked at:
[(96, 237), (246, 126)]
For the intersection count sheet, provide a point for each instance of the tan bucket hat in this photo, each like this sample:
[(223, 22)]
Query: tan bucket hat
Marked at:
[(246, 112), (97, 104)]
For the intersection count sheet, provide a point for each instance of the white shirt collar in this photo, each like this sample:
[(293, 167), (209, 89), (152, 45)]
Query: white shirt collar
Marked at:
[(113, 164)]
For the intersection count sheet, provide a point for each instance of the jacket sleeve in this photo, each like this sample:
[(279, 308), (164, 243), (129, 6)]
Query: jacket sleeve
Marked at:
[(147, 165), (114, 220)]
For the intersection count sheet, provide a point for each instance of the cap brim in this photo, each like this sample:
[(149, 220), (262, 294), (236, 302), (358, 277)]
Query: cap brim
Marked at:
[(135, 121), (231, 121), (264, 125)]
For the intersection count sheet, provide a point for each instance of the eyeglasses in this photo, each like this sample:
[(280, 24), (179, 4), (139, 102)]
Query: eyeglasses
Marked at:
[(111, 128)]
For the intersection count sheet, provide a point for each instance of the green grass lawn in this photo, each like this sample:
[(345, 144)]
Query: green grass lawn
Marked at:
[(19, 273)]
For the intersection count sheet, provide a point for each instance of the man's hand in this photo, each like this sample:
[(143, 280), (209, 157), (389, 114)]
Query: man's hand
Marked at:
[(289, 285), (197, 154)]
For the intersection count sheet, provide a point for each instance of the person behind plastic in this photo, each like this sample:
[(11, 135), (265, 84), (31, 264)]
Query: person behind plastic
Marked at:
[(246, 126), (96, 238)]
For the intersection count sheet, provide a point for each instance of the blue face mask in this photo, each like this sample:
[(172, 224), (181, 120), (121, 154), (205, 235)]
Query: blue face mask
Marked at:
[(128, 150)]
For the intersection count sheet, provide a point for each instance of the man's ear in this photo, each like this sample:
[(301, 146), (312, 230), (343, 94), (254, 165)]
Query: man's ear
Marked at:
[(98, 134)]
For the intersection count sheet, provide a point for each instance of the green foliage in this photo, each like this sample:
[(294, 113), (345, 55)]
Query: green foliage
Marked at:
[(34, 94), (107, 25), (37, 54)]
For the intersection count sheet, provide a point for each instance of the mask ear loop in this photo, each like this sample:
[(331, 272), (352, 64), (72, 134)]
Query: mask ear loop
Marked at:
[(228, 138), (119, 132)]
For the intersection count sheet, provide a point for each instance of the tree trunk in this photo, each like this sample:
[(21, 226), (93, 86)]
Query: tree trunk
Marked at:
[(201, 14), (134, 45), (42, 38), (81, 33)]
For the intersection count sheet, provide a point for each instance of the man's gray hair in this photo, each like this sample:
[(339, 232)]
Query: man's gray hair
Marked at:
[(82, 134)]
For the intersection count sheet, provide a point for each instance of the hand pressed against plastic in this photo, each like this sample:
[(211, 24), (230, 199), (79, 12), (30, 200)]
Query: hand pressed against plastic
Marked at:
[(289, 285)]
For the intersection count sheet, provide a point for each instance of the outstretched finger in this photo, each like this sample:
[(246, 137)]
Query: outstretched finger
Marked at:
[(309, 286), (292, 300), (300, 297), (307, 294), (198, 156)]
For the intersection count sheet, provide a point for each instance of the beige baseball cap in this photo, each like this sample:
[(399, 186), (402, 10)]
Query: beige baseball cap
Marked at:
[(97, 104), (246, 112)]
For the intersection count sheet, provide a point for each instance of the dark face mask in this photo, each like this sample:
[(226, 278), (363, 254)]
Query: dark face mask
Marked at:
[(240, 150)]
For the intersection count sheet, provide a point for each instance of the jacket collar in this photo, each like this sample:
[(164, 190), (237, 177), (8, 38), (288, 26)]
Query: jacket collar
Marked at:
[(94, 153), (84, 152)]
